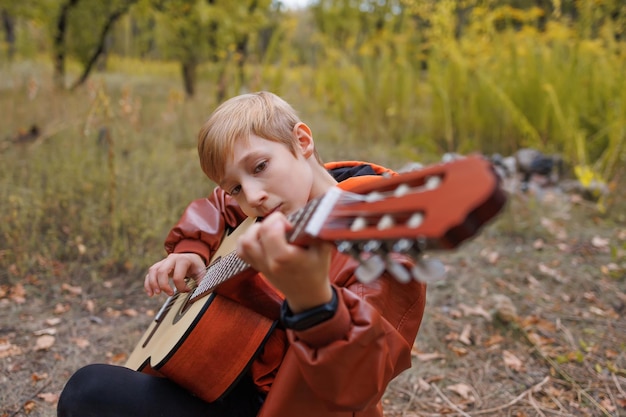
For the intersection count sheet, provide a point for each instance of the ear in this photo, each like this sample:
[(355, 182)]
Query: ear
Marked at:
[(304, 140)]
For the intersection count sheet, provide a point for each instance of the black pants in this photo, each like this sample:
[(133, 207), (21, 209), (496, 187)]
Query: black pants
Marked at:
[(113, 391)]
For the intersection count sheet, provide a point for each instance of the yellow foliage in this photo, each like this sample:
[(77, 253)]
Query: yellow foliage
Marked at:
[(593, 183), (587, 176)]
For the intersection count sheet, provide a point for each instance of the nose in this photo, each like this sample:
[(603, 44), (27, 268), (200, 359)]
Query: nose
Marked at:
[(254, 193)]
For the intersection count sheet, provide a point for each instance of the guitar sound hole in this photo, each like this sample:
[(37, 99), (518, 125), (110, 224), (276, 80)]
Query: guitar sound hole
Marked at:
[(188, 302), (184, 307)]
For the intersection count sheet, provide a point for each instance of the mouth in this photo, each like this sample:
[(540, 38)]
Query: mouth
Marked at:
[(277, 208)]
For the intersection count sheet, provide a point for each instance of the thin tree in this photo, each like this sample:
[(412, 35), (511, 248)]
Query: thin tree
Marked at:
[(58, 42), (100, 45)]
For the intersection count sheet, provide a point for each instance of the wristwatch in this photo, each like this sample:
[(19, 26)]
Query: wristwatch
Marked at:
[(308, 318)]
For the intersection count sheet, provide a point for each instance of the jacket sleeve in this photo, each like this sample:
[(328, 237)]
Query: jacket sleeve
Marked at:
[(349, 360), (202, 225)]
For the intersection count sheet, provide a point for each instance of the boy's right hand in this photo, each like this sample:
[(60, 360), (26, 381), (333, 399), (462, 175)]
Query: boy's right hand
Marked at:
[(177, 267)]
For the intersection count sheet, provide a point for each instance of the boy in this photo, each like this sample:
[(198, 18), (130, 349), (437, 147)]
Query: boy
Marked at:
[(339, 342)]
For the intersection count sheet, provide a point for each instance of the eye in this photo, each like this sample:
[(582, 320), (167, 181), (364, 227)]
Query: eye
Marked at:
[(260, 167), (235, 190)]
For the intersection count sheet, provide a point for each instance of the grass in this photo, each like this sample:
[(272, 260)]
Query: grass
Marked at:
[(72, 195)]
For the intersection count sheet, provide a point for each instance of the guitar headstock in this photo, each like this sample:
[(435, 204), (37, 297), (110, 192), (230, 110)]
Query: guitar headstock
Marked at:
[(434, 208)]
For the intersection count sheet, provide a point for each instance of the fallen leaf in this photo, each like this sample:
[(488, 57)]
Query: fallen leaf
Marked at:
[(39, 377), (490, 255), (494, 340), (554, 229), (611, 354), (18, 293), (551, 272), (511, 361), (44, 342), (75, 290), (48, 397), (599, 242), (29, 406), (532, 281), (427, 357), (463, 390), (53, 321), (504, 309), (465, 337), (90, 306), (47, 330), (81, 342), (460, 351), (61, 308), (81, 248), (608, 404), (8, 349), (118, 358), (422, 385), (539, 340), (475, 311)]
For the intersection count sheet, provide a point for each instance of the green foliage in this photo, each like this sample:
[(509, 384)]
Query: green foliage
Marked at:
[(86, 22)]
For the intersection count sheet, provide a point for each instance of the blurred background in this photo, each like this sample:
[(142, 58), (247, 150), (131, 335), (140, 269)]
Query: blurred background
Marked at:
[(100, 102)]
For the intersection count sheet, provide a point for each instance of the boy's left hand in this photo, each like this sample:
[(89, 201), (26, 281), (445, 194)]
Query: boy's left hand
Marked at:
[(300, 273)]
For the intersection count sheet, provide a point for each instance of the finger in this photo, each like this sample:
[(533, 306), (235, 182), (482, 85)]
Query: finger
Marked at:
[(181, 271), (162, 277), (150, 281), (273, 237), (248, 244)]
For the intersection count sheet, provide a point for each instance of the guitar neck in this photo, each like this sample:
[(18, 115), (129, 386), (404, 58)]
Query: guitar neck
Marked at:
[(230, 265), (437, 207)]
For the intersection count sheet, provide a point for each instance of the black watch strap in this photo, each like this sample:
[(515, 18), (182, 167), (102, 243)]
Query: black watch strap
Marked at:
[(308, 318)]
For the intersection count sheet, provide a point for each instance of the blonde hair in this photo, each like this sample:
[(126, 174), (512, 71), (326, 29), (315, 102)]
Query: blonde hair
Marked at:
[(263, 114)]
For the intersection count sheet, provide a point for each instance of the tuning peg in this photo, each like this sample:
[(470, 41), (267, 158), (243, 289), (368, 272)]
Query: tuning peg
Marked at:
[(428, 270), (407, 247), (372, 261), (402, 190), (374, 196), (370, 269), (398, 271), (415, 220), (373, 246), (349, 248), (432, 182)]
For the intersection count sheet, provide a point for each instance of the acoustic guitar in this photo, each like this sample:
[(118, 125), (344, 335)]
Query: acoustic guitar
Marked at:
[(434, 208)]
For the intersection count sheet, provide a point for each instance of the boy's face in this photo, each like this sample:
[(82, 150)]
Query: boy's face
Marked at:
[(264, 176)]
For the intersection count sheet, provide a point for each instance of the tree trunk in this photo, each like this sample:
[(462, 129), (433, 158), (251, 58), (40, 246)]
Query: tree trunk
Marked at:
[(189, 70), (101, 47), (59, 44), (8, 23)]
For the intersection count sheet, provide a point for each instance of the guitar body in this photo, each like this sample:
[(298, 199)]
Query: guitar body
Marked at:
[(204, 345)]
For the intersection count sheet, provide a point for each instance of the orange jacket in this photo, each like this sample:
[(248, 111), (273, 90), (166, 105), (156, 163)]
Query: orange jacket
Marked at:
[(342, 366)]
